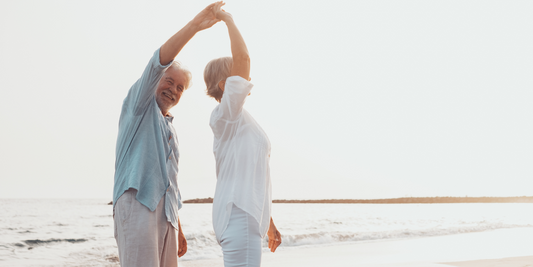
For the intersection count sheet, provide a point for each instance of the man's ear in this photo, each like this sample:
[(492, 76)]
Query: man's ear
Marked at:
[(222, 84)]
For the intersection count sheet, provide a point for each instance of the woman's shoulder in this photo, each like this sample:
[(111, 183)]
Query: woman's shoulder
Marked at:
[(237, 84)]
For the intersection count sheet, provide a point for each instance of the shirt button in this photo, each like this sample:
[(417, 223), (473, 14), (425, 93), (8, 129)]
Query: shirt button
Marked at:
[(169, 157)]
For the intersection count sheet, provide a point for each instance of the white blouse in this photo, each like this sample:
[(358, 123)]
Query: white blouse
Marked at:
[(242, 155)]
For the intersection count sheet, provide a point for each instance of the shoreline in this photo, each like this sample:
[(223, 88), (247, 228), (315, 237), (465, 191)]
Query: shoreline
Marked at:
[(497, 248), (402, 200)]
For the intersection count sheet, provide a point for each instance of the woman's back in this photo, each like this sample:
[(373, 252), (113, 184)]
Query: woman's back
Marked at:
[(242, 154)]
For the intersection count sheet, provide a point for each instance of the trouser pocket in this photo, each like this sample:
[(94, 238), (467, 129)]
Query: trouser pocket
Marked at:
[(124, 206)]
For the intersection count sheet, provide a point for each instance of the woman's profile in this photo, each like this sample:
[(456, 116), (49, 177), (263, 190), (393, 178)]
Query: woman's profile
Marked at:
[(243, 196)]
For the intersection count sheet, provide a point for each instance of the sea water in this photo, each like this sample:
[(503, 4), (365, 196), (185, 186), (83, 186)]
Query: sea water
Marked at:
[(80, 232)]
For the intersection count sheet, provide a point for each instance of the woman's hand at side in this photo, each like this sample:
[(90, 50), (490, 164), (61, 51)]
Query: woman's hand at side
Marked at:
[(274, 236)]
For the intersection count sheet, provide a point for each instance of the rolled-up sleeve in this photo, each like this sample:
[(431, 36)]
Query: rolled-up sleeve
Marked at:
[(144, 88), (180, 203), (235, 92)]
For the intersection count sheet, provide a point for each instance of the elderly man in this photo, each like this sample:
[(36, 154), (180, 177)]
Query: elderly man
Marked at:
[(146, 197)]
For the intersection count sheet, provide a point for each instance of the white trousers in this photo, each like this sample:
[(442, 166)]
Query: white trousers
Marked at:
[(144, 238), (241, 241)]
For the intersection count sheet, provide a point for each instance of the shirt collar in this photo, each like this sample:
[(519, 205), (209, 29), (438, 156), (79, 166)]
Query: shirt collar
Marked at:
[(169, 117)]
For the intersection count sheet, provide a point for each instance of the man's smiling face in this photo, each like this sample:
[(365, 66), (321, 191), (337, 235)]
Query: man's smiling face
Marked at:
[(170, 88)]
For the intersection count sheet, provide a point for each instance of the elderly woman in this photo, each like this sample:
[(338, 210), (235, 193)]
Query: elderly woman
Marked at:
[(243, 198)]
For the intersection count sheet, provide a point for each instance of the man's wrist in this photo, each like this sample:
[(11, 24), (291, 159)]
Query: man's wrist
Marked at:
[(192, 28)]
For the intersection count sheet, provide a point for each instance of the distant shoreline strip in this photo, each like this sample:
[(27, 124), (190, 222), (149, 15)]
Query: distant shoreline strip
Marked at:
[(403, 200)]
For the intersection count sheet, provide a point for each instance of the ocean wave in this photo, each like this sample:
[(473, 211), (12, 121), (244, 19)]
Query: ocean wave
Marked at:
[(85, 236), (204, 245), (35, 242), (321, 238)]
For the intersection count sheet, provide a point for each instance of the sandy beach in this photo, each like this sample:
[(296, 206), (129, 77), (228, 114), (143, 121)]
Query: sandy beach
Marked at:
[(498, 248), (505, 262)]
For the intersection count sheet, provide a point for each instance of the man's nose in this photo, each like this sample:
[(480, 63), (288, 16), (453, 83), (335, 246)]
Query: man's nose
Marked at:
[(174, 90)]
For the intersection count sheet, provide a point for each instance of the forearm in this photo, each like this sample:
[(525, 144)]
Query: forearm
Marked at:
[(205, 19), (173, 46), (239, 51)]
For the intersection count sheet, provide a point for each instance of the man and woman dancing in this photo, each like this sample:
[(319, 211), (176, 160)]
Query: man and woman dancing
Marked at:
[(146, 198)]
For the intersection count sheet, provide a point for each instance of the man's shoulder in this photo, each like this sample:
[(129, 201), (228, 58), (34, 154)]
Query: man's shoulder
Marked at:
[(131, 113)]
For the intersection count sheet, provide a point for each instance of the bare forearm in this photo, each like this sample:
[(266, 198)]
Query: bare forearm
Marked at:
[(239, 51), (238, 46), (173, 46), (205, 19)]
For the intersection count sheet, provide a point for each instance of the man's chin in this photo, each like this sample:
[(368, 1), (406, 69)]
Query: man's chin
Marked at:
[(163, 105)]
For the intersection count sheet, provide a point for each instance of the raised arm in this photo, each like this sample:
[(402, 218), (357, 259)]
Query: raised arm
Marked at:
[(170, 49), (241, 58)]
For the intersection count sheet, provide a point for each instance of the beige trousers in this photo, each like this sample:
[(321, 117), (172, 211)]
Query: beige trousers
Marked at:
[(144, 238)]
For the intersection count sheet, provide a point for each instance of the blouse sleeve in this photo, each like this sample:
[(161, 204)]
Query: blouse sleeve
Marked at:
[(235, 92)]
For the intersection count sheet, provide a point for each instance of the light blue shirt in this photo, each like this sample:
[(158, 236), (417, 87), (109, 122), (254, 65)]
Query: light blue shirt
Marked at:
[(147, 147)]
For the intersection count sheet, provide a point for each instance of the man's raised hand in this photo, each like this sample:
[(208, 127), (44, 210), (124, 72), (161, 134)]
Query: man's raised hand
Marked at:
[(206, 18), (220, 13)]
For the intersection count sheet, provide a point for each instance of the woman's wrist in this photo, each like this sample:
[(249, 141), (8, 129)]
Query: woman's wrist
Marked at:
[(227, 19)]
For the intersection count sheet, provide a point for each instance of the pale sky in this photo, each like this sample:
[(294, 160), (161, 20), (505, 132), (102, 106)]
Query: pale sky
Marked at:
[(360, 99)]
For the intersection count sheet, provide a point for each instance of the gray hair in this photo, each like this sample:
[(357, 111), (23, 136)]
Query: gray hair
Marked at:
[(178, 65), (215, 71)]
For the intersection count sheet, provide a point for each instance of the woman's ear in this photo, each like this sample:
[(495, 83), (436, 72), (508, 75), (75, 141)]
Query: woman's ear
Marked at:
[(222, 84)]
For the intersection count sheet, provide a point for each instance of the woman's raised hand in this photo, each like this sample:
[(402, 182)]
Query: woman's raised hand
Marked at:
[(220, 13)]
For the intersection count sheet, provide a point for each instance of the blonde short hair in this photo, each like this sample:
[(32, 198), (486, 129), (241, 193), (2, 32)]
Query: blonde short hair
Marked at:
[(215, 71)]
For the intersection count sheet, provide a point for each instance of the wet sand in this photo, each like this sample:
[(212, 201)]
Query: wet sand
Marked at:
[(505, 262)]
